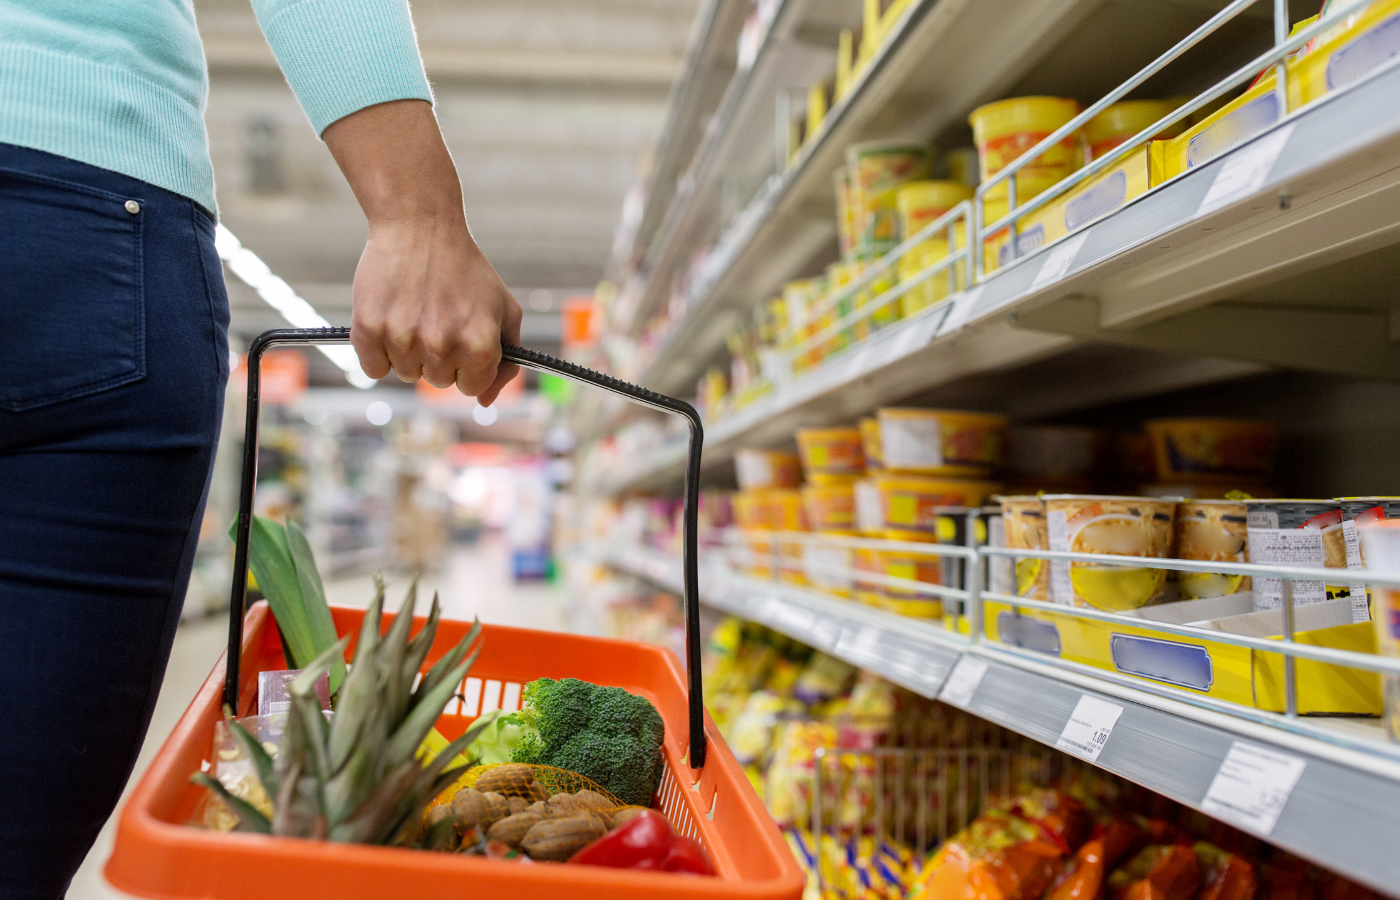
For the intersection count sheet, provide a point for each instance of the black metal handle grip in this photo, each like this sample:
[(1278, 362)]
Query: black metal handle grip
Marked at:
[(522, 356)]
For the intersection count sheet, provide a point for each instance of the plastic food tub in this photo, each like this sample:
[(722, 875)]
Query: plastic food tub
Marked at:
[(910, 505), (1213, 449), (1121, 526), (942, 442), (830, 455), (704, 792), (1006, 129)]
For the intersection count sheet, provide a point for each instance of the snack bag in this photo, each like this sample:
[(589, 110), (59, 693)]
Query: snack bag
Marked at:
[(1224, 876), (1160, 872), (998, 857), (1083, 877)]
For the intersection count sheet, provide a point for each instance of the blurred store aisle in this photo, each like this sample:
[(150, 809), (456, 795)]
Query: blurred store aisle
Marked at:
[(475, 580)]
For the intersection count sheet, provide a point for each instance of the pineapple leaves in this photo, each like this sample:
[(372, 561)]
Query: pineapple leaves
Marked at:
[(249, 819), (448, 662), (282, 563)]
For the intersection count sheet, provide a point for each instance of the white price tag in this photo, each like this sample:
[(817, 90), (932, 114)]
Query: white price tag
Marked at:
[(1252, 787), (1058, 260), (1244, 171), (962, 307), (963, 681), (1088, 727)]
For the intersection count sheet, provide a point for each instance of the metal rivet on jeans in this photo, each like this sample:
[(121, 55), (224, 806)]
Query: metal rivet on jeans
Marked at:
[(133, 207)]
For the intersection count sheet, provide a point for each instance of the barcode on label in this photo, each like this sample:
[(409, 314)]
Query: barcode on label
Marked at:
[(1089, 727)]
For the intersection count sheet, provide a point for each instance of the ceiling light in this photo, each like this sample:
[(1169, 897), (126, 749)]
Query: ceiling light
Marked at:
[(279, 295), (379, 413)]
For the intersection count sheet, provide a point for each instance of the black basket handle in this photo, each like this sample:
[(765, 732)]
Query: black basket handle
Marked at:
[(524, 357)]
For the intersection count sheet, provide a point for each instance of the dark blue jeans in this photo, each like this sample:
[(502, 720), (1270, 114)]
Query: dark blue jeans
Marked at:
[(113, 360)]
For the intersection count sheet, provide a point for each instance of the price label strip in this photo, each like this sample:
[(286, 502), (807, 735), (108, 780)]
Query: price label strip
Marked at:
[(1058, 260), (963, 681), (1252, 787), (1245, 171), (1089, 727), (962, 307)]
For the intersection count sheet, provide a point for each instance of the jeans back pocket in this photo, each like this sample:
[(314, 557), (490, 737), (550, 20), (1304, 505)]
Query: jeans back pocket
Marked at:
[(72, 306)]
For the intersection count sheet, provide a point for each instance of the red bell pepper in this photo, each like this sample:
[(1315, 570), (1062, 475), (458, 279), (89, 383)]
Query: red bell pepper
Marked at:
[(645, 842)]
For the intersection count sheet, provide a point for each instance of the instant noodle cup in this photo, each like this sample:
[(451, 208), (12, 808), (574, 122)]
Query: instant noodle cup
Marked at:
[(1380, 541), (758, 469), (830, 455), (1023, 524), (1119, 122), (1118, 526), (877, 171), (1357, 513), (870, 442), (830, 508), (1305, 533), (910, 505), (1211, 531), (1006, 129), (922, 202), (912, 566), (942, 442), (1213, 449)]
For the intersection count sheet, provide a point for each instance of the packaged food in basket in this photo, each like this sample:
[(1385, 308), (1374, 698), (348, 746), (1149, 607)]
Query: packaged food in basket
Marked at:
[(830, 455), (1305, 533), (757, 469), (1118, 526), (1023, 520), (942, 442), (1382, 542), (1232, 450), (1211, 531)]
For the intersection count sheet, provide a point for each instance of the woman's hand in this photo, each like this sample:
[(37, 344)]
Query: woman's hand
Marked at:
[(426, 302)]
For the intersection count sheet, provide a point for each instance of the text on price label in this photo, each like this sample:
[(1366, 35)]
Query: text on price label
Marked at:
[(963, 681), (1252, 786), (1089, 726)]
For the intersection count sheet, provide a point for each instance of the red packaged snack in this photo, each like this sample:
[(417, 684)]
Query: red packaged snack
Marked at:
[(1161, 872), (1224, 876), (1083, 877)]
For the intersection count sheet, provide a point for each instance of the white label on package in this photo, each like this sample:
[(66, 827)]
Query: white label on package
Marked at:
[(962, 306), (1360, 609), (999, 568), (1252, 786), (963, 681), (869, 516), (912, 443), (1057, 530), (1088, 727), (1244, 171), (1058, 260), (1289, 547), (754, 469)]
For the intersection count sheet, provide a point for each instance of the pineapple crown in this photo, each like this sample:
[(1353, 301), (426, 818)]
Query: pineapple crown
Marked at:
[(357, 778)]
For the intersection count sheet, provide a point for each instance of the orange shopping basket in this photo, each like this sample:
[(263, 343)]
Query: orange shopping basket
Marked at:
[(704, 792)]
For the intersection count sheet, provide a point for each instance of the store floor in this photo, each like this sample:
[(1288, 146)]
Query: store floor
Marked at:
[(475, 581)]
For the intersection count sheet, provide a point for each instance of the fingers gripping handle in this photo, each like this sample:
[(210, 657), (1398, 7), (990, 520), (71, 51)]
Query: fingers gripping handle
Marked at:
[(520, 356)]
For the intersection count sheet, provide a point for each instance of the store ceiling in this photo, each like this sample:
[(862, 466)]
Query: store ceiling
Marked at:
[(547, 106)]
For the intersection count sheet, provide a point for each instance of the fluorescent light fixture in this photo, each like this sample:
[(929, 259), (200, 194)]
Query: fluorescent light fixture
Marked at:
[(279, 295)]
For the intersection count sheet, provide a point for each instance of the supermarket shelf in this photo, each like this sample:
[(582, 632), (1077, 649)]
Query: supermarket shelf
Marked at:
[(1340, 813), (941, 60)]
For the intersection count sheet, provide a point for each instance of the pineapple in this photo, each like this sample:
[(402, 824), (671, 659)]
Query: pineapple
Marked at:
[(358, 778)]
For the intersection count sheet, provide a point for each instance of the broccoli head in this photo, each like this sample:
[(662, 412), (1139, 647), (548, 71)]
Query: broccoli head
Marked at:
[(602, 733)]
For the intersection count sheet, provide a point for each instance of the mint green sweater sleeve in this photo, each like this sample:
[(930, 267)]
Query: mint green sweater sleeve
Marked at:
[(121, 84), (340, 56)]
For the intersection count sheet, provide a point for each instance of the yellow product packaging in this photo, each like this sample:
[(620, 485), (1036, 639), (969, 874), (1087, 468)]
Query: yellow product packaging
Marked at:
[(831, 508), (1023, 523), (1006, 129), (910, 504), (1121, 121), (1099, 196), (789, 788), (800, 299), (934, 288), (1222, 671), (1248, 115), (830, 455), (1308, 533), (867, 561), (942, 442), (996, 248), (922, 202), (845, 213), (1211, 531), (869, 428), (1354, 45), (758, 469), (874, 318), (788, 514), (1118, 526), (1380, 541), (1213, 450), (877, 171), (911, 565)]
